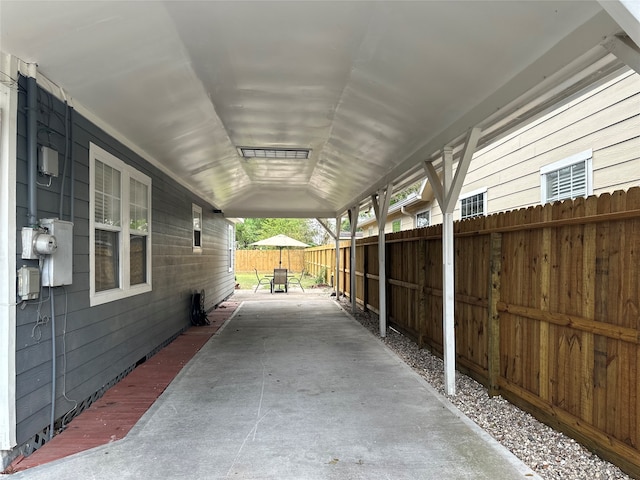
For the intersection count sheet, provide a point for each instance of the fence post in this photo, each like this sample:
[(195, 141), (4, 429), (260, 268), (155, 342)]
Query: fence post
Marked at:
[(494, 316)]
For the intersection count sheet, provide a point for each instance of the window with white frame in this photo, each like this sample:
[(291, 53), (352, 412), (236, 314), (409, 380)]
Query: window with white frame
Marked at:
[(119, 229), (196, 215), (423, 219), (231, 245), (568, 178), (396, 226), (473, 204)]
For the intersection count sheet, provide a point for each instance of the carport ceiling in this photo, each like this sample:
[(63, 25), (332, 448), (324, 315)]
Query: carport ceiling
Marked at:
[(370, 88)]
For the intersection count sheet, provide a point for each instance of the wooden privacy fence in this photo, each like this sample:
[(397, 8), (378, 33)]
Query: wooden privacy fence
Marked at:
[(267, 260), (321, 262), (547, 310)]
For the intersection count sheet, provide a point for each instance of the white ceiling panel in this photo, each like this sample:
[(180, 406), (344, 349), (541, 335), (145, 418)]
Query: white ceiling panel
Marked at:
[(371, 88)]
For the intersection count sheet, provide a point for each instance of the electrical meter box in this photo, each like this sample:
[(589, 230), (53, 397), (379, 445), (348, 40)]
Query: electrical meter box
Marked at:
[(57, 269)]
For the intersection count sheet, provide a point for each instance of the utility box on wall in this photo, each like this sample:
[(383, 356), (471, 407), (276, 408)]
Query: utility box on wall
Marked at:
[(58, 267)]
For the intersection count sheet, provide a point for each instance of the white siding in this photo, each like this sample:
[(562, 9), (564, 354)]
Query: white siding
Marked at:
[(606, 120)]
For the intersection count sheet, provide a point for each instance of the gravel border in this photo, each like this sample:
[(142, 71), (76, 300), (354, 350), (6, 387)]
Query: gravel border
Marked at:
[(551, 454)]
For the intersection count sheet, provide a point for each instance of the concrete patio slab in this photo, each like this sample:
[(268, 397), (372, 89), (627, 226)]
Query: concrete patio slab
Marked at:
[(294, 388)]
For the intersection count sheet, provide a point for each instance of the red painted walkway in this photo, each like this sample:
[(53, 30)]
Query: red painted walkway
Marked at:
[(112, 416)]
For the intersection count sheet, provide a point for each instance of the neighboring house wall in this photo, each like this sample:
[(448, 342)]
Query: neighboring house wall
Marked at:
[(98, 345), (605, 121), (402, 214)]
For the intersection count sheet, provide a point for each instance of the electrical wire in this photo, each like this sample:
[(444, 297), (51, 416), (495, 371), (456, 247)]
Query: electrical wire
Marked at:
[(44, 184), (36, 332), (64, 360)]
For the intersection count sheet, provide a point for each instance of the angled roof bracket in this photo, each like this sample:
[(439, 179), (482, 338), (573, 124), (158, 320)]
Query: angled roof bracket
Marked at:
[(626, 51), (327, 227), (380, 204), (448, 190), (626, 13)]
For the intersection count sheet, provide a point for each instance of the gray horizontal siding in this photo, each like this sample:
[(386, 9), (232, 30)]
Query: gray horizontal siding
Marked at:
[(98, 343)]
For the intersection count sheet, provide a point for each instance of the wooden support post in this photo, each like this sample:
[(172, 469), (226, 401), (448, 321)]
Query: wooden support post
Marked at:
[(381, 207), (448, 279), (447, 193), (448, 305), (353, 222), (494, 315), (337, 255)]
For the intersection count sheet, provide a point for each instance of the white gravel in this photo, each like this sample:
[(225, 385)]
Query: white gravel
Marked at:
[(551, 454)]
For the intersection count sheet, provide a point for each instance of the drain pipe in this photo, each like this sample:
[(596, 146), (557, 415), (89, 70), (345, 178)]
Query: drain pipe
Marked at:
[(53, 363), (32, 145), (72, 179), (66, 157), (32, 219)]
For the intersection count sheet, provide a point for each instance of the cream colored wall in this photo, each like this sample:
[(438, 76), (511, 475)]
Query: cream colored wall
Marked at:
[(408, 220), (606, 120)]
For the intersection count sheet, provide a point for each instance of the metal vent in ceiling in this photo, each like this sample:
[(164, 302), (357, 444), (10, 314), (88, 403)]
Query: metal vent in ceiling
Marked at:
[(254, 152)]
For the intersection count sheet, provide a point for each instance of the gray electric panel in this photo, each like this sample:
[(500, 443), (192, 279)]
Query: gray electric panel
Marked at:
[(48, 161), (28, 283), (58, 267)]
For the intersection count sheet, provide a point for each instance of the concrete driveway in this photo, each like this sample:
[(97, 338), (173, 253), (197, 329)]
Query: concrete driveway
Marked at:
[(294, 388)]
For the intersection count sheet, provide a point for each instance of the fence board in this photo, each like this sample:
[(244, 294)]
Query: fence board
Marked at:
[(267, 260)]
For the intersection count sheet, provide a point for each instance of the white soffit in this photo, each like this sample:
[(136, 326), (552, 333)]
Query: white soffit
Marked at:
[(371, 88)]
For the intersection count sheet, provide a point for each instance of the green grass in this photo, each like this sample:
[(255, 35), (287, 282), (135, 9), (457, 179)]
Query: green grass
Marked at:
[(247, 280)]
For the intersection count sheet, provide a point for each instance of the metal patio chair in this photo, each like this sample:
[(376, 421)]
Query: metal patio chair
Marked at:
[(261, 281), (279, 279), (296, 280)]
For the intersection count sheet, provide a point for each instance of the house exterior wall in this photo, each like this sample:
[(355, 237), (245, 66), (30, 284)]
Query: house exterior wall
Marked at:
[(98, 345), (605, 120)]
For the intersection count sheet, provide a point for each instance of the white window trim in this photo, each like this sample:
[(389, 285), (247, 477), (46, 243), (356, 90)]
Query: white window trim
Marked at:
[(586, 156), (126, 172), (415, 219), (196, 210), (8, 149), (471, 194)]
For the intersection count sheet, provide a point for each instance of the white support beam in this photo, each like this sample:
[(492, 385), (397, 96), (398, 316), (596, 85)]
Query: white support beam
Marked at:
[(434, 180), (448, 304), (626, 13), (353, 222), (337, 238), (381, 208), (625, 50), (448, 272), (376, 207), (447, 192), (470, 145), (327, 227)]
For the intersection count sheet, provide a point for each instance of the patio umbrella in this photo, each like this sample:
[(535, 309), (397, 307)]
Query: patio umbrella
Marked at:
[(280, 241)]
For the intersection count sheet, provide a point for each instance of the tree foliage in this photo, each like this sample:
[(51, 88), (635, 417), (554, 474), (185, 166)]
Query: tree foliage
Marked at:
[(401, 195), (255, 229)]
